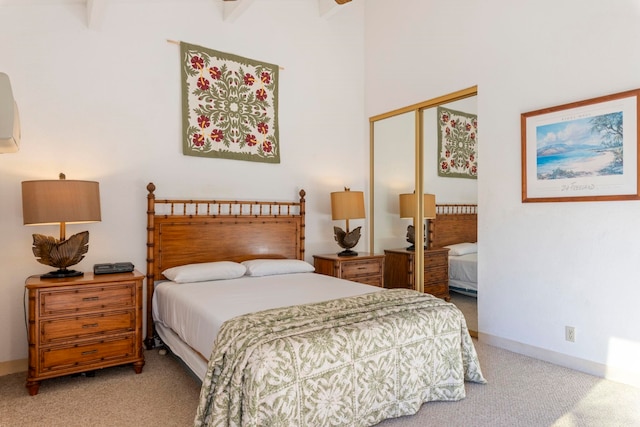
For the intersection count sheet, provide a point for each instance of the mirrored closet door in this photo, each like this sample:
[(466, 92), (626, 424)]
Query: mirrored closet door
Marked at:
[(403, 161)]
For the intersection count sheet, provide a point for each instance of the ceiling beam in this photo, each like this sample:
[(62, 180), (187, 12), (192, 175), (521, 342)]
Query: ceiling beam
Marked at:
[(327, 8), (96, 10), (232, 10)]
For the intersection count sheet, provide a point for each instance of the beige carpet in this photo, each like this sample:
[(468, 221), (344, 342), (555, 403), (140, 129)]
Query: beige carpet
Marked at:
[(521, 392), (162, 395)]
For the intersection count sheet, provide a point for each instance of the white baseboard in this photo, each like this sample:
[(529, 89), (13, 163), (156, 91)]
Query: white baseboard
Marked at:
[(612, 373), (13, 366)]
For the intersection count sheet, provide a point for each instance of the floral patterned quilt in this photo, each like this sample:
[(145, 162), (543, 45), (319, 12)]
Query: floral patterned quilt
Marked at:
[(351, 362)]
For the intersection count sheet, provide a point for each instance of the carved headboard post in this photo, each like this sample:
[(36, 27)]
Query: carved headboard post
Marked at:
[(431, 232), (302, 223), (151, 198)]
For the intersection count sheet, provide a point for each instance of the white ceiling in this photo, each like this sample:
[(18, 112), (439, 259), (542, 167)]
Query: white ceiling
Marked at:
[(231, 10)]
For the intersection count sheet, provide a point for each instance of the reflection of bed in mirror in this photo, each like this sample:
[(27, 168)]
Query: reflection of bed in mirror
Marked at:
[(281, 345), (456, 227)]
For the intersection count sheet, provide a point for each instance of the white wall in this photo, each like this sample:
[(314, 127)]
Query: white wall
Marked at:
[(104, 104), (542, 265)]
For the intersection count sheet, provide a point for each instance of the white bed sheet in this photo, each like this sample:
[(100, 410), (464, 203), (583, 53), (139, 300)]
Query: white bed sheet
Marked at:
[(194, 312), (463, 273)]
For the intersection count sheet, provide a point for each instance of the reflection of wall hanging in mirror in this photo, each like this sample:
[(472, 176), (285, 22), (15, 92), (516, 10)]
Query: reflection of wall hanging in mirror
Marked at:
[(583, 151), (457, 144), (229, 106)]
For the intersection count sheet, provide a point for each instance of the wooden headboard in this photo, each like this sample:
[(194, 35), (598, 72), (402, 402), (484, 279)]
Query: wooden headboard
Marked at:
[(187, 231), (454, 223)]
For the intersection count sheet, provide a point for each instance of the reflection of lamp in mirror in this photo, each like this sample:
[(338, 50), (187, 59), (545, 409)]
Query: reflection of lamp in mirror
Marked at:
[(408, 210), (347, 205), (60, 201)]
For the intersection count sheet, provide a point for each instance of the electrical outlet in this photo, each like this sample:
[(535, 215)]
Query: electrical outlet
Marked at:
[(570, 333)]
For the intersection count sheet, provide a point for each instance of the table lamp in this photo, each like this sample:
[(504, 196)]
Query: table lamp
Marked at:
[(347, 205), (408, 209), (60, 201)]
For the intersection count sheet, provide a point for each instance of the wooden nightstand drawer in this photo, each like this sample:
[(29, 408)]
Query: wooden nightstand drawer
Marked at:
[(432, 275), (83, 327), (370, 280), (78, 355), (433, 261), (83, 323), (89, 298), (355, 269), (440, 291), (363, 268), (399, 270)]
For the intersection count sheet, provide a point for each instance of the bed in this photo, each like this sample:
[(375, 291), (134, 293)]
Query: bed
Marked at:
[(275, 343), (456, 227)]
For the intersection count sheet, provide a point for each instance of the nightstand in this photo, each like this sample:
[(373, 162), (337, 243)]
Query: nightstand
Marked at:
[(80, 324), (399, 273), (364, 268)]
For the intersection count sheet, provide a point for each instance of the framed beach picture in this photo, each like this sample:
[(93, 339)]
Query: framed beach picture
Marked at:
[(583, 151)]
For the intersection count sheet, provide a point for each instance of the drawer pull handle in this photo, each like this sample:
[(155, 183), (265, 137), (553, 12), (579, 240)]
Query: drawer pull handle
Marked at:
[(90, 299), (90, 325), (86, 353)]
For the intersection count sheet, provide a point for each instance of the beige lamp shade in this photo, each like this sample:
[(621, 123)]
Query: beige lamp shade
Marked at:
[(60, 201), (408, 205), (347, 205)]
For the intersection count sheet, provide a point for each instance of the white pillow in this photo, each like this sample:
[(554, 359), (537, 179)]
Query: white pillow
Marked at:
[(267, 267), (200, 272), (462, 248)]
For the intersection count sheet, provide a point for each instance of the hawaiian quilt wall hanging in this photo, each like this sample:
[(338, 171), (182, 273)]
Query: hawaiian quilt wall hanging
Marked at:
[(457, 144), (229, 106)]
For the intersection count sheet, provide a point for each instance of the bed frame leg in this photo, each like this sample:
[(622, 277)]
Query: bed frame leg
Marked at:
[(149, 343)]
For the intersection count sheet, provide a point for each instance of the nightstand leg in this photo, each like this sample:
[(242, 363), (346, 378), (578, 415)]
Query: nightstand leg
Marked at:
[(33, 387), (149, 343), (137, 366)]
